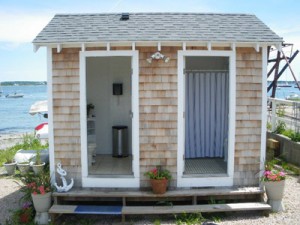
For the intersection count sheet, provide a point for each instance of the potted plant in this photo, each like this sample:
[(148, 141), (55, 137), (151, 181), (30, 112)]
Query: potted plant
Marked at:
[(38, 165), (10, 163), (39, 189), (274, 181), (159, 179), (23, 167)]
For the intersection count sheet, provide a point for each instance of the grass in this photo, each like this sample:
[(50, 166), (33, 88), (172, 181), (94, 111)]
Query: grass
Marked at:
[(189, 219), (29, 142)]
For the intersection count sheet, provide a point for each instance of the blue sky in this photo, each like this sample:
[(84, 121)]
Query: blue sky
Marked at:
[(21, 21)]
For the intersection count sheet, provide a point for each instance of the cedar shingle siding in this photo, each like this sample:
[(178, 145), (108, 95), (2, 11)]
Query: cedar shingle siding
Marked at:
[(158, 113)]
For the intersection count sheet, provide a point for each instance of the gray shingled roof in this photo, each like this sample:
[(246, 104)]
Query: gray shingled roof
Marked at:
[(78, 28)]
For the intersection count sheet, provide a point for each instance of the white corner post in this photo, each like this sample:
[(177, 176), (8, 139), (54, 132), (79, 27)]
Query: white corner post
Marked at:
[(264, 108), (50, 114)]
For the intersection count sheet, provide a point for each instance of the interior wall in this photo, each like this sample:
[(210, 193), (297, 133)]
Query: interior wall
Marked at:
[(206, 63), (110, 110)]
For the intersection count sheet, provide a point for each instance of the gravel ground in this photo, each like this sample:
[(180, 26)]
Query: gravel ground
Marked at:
[(10, 195)]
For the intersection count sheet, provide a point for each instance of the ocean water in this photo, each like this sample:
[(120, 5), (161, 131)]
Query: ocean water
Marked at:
[(14, 112), (283, 92), (15, 117)]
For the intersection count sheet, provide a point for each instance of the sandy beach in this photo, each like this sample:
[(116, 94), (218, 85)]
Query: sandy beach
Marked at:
[(8, 140)]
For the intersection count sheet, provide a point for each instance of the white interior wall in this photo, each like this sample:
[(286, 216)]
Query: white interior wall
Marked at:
[(110, 110)]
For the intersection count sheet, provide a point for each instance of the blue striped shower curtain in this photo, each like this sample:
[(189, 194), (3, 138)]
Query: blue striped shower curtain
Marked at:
[(206, 114)]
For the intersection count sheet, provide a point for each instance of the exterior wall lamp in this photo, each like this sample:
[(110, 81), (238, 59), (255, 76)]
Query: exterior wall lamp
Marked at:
[(157, 56)]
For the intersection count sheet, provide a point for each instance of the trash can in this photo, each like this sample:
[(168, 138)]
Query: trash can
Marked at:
[(120, 141)]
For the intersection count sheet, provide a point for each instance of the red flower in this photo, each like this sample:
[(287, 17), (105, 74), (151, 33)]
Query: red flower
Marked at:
[(42, 189)]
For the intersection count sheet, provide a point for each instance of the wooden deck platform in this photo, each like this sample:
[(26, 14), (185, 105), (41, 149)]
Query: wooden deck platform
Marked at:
[(129, 202)]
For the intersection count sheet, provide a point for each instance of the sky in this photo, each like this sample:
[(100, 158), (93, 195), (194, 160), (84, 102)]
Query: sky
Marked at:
[(22, 20)]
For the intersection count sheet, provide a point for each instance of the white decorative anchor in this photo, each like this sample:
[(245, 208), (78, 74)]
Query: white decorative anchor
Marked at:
[(62, 174)]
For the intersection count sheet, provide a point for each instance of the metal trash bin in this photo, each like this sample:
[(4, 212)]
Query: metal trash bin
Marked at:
[(120, 141)]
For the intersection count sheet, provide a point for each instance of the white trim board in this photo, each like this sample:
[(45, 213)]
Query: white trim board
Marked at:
[(206, 181), (50, 115), (263, 111), (125, 182)]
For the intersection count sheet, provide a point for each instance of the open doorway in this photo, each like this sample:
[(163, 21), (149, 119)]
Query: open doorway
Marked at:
[(206, 116), (109, 116)]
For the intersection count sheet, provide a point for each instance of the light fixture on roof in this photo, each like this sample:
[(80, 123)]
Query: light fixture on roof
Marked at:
[(157, 56)]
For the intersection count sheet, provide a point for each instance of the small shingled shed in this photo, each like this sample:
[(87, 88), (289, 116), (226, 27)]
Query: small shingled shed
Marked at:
[(131, 91)]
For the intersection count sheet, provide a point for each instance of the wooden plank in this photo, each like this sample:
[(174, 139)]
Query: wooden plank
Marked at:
[(172, 193), (133, 210), (66, 209)]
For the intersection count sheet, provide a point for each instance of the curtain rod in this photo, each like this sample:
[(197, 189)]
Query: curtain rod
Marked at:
[(206, 70)]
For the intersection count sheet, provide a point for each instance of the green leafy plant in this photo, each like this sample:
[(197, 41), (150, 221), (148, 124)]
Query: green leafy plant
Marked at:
[(280, 128), (189, 219), (281, 111), (38, 160), (158, 173), (269, 126), (157, 222), (7, 156), (214, 201), (29, 142), (295, 136), (288, 132)]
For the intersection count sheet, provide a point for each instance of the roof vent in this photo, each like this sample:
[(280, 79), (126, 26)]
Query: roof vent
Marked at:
[(124, 16)]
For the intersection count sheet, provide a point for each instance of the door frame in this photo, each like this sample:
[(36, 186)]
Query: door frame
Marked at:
[(121, 181), (197, 181)]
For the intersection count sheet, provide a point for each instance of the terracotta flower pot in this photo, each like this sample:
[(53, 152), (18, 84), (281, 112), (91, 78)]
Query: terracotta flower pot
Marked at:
[(159, 186)]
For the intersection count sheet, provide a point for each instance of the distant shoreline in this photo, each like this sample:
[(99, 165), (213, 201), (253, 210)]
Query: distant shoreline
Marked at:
[(22, 83)]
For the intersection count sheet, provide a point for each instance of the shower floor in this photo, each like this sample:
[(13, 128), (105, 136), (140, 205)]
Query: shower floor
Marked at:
[(205, 166)]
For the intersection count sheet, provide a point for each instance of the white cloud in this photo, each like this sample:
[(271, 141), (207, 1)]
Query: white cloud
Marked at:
[(21, 27)]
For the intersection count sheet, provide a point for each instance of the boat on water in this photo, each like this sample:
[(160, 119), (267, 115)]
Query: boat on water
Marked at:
[(284, 84), (41, 108), (14, 95), (293, 97)]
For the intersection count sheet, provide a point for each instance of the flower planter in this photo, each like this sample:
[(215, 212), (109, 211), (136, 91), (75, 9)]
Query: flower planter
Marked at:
[(10, 168), (275, 190), (38, 168), (24, 168), (159, 186), (41, 203)]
